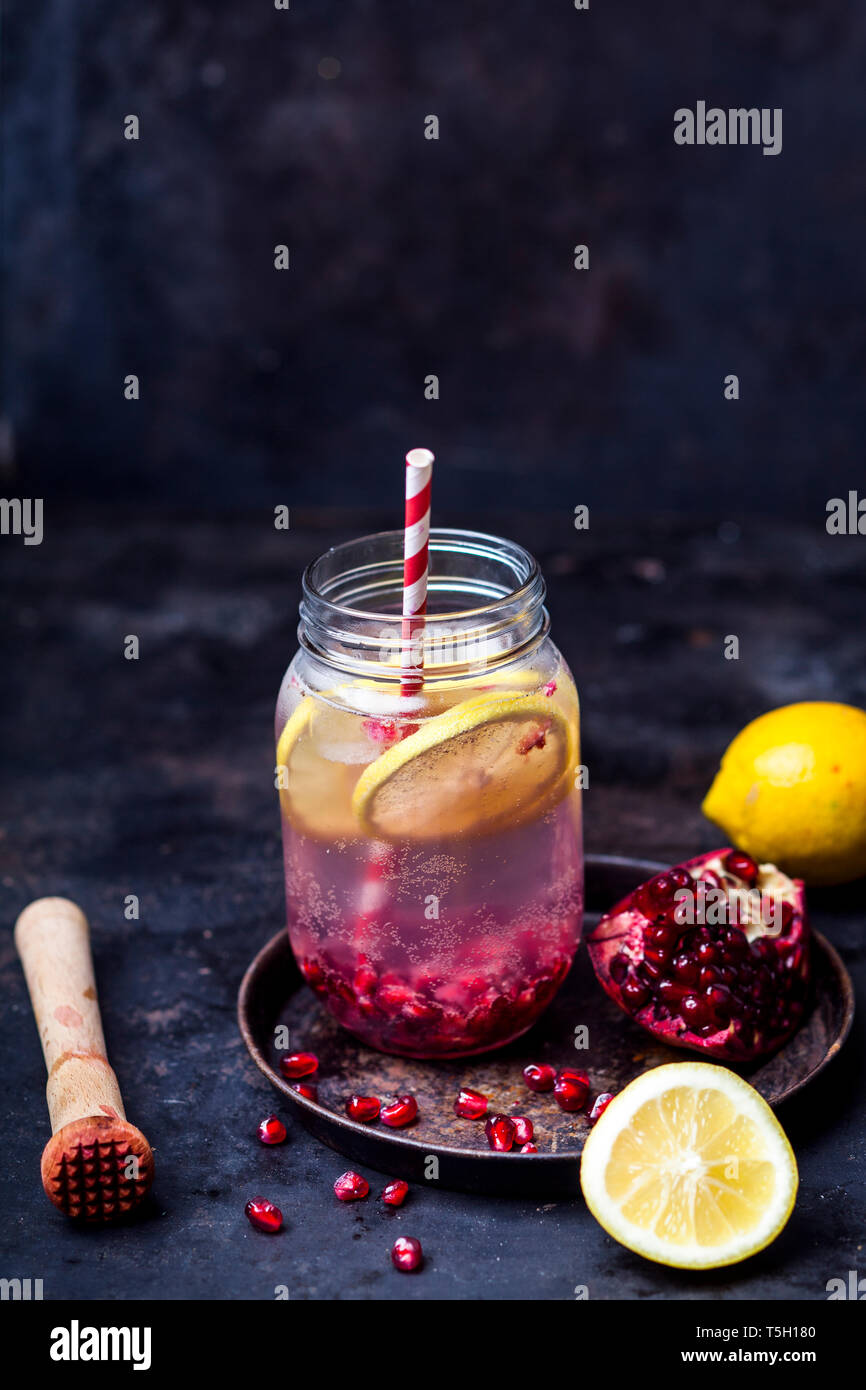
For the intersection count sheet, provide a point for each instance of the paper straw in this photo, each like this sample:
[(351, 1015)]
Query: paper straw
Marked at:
[(375, 897), (419, 472)]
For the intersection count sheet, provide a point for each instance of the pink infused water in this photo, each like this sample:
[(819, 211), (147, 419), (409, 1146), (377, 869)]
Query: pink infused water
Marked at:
[(432, 850)]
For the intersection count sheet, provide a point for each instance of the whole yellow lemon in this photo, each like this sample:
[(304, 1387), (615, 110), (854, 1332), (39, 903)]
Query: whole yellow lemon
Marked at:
[(791, 790)]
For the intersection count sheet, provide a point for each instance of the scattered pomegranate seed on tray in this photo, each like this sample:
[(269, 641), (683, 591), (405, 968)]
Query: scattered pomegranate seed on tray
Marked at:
[(399, 1112), (363, 1108), (500, 1131), (295, 1064), (470, 1105)]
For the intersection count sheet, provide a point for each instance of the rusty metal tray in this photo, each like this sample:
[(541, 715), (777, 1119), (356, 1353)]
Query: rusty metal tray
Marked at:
[(272, 992)]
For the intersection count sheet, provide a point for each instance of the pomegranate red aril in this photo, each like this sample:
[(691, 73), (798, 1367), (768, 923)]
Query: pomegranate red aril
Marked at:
[(500, 1131), (740, 996), (406, 1254), (619, 968), (295, 1064), (381, 730), (271, 1130), (719, 999), (539, 1076), (395, 1194), (263, 1215), (741, 866), (653, 897), (312, 973), (692, 1008), (661, 935), (528, 1149), (680, 878), (363, 1108), (600, 1104), (351, 1187), (685, 968), (470, 1105), (522, 1129), (636, 993), (571, 1090), (671, 990), (393, 996), (365, 980), (399, 1112), (308, 1089)]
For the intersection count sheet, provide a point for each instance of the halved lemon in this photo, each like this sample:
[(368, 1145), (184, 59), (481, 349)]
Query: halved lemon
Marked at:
[(487, 762), (688, 1166)]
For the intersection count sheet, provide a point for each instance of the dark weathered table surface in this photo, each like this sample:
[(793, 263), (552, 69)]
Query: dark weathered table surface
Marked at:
[(155, 778)]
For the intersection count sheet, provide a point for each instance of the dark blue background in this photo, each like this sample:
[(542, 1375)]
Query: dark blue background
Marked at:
[(411, 257)]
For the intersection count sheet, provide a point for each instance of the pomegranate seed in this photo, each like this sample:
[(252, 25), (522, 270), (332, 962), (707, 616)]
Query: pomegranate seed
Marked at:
[(393, 996), (500, 1133), (600, 1105), (363, 1108), (399, 1112), (312, 972), (263, 1215), (539, 1077), (470, 1105), (528, 1149), (271, 1130), (365, 980), (571, 1089), (381, 730), (351, 1187), (636, 993), (419, 1012), (535, 738), (685, 968), (298, 1064), (395, 1194), (619, 968), (406, 1254), (307, 1089), (742, 865), (549, 689), (522, 1129), (656, 895)]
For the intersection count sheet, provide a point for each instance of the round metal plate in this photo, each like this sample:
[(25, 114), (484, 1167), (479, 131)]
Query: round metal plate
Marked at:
[(272, 992)]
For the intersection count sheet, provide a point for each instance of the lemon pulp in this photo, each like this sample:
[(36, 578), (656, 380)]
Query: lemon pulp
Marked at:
[(689, 1166)]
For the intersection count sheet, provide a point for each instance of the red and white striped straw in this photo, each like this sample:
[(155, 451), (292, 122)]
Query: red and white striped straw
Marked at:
[(419, 472)]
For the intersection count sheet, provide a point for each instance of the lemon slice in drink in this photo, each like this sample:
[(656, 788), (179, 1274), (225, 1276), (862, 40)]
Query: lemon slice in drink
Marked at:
[(484, 764), (689, 1167), (316, 789)]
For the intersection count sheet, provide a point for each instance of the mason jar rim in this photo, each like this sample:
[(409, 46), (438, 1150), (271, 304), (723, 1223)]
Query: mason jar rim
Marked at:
[(463, 541), (343, 632)]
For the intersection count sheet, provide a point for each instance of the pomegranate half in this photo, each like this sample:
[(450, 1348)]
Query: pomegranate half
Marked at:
[(711, 955)]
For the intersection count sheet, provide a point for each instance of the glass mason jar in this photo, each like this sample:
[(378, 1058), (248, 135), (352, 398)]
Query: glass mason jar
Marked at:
[(432, 837)]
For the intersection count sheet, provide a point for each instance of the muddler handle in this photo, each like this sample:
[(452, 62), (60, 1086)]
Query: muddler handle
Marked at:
[(96, 1165)]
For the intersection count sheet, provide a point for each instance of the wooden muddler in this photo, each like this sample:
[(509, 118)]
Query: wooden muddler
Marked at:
[(96, 1165)]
